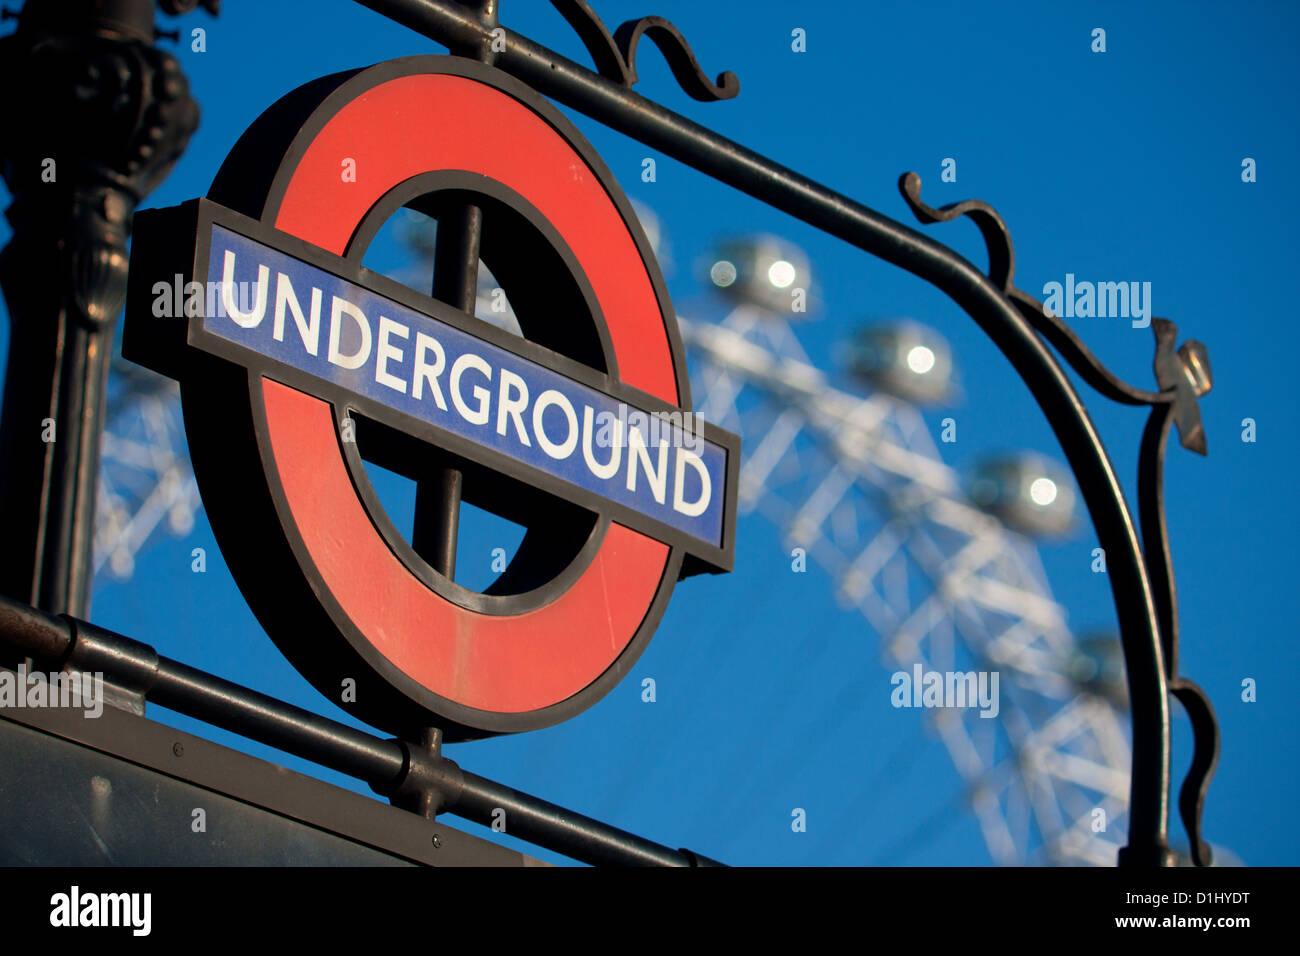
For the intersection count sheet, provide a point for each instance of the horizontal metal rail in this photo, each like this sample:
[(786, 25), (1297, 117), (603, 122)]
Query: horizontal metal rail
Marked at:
[(387, 766)]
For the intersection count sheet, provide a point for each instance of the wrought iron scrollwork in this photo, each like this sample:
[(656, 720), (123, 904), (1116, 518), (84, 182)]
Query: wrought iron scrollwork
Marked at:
[(1002, 267), (615, 55), (1183, 376)]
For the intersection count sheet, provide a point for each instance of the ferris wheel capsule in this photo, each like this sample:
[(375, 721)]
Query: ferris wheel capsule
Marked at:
[(762, 271), (906, 359), (1026, 492)]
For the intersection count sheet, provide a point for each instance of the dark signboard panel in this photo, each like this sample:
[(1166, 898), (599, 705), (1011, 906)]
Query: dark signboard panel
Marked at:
[(123, 790)]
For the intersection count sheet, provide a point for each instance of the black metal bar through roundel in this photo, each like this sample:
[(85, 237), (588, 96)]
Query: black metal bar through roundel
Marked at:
[(478, 219)]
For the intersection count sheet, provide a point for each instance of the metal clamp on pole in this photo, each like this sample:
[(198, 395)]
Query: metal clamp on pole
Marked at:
[(129, 668), (429, 782)]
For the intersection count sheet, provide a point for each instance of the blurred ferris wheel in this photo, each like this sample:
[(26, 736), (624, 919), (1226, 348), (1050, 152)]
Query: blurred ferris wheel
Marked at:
[(145, 482), (944, 571)]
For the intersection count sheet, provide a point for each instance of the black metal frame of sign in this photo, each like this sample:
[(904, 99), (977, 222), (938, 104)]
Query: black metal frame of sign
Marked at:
[(1140, 569), (64, 282)]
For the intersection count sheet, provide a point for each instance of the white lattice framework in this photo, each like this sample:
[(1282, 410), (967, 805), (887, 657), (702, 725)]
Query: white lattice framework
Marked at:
[(858, 482), (145, 480)]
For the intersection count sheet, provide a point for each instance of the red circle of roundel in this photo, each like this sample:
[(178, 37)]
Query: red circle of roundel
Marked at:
[(502, 664)]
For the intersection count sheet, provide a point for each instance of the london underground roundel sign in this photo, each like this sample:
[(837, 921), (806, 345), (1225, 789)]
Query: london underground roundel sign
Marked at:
[(295, 361)]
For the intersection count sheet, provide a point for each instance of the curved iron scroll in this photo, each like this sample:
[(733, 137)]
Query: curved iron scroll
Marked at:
[(615, 56), (1002, 268), (1183, 376)]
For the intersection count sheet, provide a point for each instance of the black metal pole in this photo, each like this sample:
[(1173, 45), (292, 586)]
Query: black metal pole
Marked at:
[(455, 281), (94, 118), (585, 839), (619, 108)]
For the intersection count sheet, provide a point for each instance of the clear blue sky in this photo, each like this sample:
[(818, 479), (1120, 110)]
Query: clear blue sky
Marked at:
[(1123, 166)]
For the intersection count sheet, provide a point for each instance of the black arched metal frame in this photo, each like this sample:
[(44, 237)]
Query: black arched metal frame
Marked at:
[(1140, 569), (49, 504)]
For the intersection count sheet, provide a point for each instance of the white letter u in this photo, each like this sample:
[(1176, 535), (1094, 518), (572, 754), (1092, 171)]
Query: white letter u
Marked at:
[(252, 318)]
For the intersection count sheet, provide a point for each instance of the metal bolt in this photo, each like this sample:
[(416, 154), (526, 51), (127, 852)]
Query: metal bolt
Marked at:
[(178, 749)]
